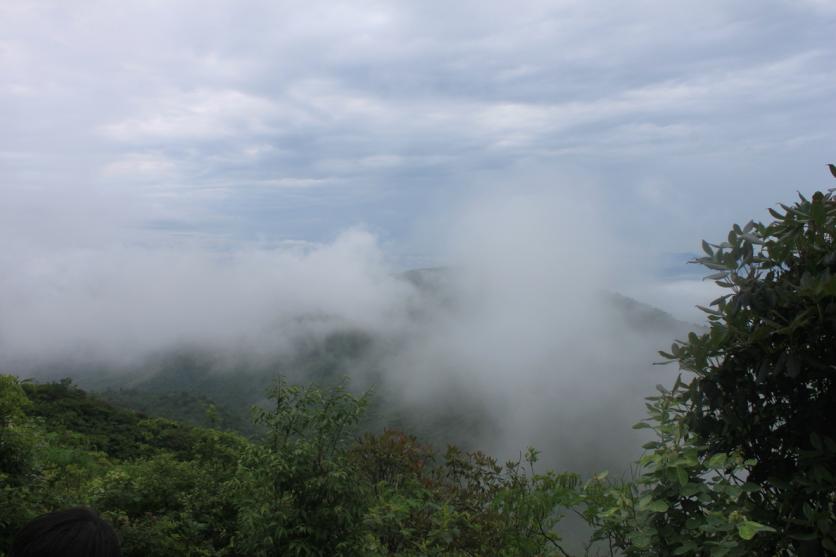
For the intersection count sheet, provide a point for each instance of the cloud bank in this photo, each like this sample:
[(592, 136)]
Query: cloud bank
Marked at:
[(520, 335)]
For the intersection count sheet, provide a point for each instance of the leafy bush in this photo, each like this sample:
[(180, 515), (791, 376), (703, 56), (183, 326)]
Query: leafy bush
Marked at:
[(297, 493), (745, 461)]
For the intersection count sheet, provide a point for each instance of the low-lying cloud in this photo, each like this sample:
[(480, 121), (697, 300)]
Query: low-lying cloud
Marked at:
[(519, 332), (120, 304)]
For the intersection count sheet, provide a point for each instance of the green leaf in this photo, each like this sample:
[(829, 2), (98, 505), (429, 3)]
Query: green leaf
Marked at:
[(688, 547), (657, 506), (641, 540), (690, 489), (709, 310), (817, 210), (719, 550), (815, 440), (748, 528), (717, 461), (832, 169), (808, 536), (717, 266)]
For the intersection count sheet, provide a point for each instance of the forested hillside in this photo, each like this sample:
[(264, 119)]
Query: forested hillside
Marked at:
[(309, 486)]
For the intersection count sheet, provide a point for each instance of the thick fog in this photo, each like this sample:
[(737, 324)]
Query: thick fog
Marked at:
[(519, 332), (120, 304)]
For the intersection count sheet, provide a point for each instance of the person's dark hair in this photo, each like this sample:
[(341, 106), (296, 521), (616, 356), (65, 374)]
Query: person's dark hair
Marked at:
[(77, 532)]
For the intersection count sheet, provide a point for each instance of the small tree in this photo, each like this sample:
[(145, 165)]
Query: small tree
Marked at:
[(17, 444), (745, 463), (298, 493)]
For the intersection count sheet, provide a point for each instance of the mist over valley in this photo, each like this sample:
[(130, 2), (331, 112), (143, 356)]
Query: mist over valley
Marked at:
[(524, 342)]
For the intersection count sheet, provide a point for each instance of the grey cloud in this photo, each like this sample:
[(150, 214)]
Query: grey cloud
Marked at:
[(363, 93)]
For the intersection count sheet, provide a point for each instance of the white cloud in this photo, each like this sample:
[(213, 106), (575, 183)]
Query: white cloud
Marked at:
[(288, 182), (407, 106), (679, 296), (120, 304), (197, 116), (140, 165)]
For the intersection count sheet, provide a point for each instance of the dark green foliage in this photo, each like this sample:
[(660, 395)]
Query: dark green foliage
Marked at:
[(120, 433), (745, 461), (297, 493), (215, 389), (164, 506), (466, 504), (765, 375), (309, 487), (684, 501), (180, 406), (156, 480), (773, 343), (15, 444)]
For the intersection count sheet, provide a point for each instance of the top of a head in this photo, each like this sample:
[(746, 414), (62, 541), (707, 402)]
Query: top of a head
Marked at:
[(77, 532)]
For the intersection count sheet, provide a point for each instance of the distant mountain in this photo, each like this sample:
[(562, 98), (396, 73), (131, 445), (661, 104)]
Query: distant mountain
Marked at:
[(435, 282), (648, 318), (206, 387)]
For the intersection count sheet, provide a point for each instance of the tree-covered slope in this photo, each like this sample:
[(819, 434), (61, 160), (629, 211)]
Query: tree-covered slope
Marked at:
[(311, 485)]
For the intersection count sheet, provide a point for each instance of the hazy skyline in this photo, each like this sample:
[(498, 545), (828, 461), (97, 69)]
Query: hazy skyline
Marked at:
[(238, 126)]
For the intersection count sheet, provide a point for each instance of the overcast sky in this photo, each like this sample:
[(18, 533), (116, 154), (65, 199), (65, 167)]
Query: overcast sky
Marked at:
[(241, 124)]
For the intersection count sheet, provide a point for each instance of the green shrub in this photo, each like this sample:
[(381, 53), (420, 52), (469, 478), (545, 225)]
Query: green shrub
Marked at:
[(745, 461)]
